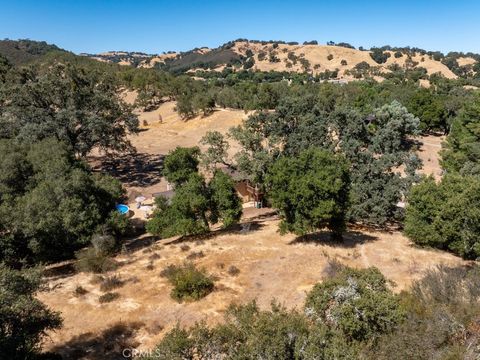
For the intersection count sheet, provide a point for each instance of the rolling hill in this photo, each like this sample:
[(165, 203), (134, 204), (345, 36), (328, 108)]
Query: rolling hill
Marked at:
[(20, 52), (341, 60)]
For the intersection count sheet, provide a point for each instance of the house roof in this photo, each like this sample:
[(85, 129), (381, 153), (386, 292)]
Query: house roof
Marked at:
[(233, 173), (168, 194)]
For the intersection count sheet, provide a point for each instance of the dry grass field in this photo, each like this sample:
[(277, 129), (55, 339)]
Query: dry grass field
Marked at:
[(270, 266)]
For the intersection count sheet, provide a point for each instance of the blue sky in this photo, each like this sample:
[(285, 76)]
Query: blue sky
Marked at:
[(156, 26)]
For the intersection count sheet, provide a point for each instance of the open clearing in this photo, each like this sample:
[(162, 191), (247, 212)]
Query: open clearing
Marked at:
[(271, 266)]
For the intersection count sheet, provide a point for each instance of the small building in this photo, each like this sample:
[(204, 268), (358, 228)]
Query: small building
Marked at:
[(247, 190)]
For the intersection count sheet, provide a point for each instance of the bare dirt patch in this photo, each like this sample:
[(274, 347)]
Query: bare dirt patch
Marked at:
[(429, 154)]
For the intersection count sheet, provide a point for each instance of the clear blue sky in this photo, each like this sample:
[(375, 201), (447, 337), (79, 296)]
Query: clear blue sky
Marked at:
[(156, 26)]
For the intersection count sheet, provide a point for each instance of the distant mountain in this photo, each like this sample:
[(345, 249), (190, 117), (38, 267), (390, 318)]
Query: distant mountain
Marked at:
[(19, 52), (335, 60)]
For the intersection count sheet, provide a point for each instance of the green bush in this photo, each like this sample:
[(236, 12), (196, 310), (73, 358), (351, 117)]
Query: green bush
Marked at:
[(90, 260), (108, 297), (188, 282), (357, 303), (446, 215), (111, 282), (105, 244)]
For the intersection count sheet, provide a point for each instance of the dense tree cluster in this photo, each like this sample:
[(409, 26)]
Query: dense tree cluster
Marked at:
[(24, 320), (462, 148), (195, 203), (50, 203), (323, 154), (446, 215), (375, 144), (78, 108)]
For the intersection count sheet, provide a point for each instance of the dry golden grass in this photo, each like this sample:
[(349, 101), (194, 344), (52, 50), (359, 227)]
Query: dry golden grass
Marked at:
[(318, 55), (270, 266)]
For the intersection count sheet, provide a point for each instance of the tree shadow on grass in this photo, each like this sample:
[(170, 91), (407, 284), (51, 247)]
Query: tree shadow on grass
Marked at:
[(239, 229), (136, 169), (108, 345), (350, 239)]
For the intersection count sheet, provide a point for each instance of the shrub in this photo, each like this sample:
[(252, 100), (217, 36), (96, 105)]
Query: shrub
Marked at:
[(344, 62), (356, 303), (188, 282), (184, 247), (273, 334), (233, 270), (80, 291), (108, 297), (111, 282), (90, 260), (442, 318), (104, 244), (330, 57), (195, 255)]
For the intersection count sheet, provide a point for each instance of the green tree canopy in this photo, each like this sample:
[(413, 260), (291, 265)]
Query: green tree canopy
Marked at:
[(80, 108), (446, 215), (50, 204), (180, 164), (24, 320), (310, 191), (461, 151), (356, 302), (187, 212), (225, 203), (195, 203)]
